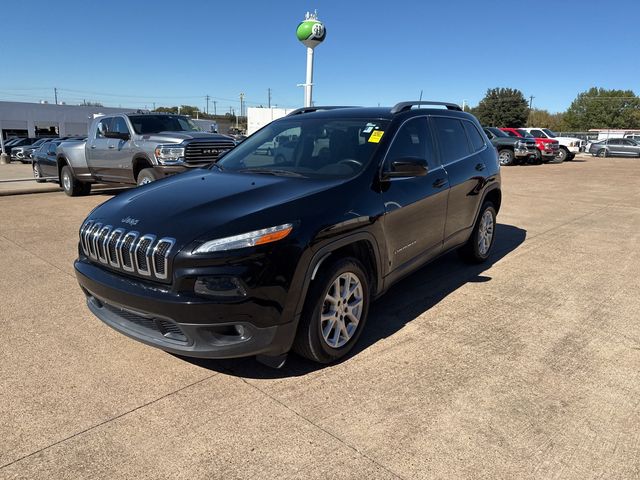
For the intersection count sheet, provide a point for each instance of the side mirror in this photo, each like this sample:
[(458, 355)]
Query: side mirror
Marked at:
[(406, 167)]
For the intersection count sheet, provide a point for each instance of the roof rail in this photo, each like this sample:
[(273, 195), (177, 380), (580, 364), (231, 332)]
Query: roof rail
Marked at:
[(315, 109), (402, 106)]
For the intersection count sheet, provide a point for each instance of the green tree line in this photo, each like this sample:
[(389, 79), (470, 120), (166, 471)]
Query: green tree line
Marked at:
[(595, 108)]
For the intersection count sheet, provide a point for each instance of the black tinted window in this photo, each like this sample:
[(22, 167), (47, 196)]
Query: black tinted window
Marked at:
[(538, 134), (614, 141), (52, 148), (144, 124), (452, 139), (476, 140), (412, 141)]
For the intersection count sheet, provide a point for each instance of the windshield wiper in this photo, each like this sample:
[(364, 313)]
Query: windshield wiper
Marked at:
[(272, 171)]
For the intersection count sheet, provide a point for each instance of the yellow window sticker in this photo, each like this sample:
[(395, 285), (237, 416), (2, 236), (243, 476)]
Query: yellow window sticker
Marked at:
[(376, 136)]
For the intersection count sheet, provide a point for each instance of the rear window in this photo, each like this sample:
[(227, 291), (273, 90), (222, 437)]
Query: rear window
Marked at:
[(452, 139), (477, 142)]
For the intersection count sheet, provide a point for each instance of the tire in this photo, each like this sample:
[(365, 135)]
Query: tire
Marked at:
[(570, 157), (602, 153), (321, 340), (506, 157), (538, 158), (71, 186), (562, 155), (146, 175), (37, 173), (279, 160), (484, 229)]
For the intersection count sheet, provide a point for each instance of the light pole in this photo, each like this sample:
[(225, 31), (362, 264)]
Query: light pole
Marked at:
[(311, 32)]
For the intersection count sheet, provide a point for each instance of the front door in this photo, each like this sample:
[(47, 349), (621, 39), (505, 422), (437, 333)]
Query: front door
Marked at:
[(415, 207), (98, 148)]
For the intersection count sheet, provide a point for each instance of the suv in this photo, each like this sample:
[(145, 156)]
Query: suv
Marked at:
[(511, 150), (257, 255)]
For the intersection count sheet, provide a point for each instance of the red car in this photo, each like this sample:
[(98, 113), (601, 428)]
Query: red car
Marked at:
[(547, 147)]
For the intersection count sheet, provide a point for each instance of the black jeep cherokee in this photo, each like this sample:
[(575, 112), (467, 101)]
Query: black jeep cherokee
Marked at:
[(284, 242)]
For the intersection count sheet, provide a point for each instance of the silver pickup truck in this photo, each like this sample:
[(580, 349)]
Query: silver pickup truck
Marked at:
[(135, 148)]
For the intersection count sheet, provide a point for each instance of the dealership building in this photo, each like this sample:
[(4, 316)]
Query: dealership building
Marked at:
[(21, 119)]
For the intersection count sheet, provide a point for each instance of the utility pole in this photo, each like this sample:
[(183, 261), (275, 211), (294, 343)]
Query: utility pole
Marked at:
[(55, 94), (207, 97), (241, 103), (215, 113), (531, 101), (269, 103), (154, 106)]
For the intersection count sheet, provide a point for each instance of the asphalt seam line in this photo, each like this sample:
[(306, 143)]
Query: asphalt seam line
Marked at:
[(81, 432), (351, 447)]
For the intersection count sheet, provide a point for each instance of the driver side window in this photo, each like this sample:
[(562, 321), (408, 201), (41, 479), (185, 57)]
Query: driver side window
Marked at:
[(103, 127), (412, 141)]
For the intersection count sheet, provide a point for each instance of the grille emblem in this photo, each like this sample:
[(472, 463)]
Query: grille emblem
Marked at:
[(130, 221)]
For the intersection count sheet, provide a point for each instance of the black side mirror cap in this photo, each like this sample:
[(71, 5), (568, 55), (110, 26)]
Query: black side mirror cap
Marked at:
[(406, 167)]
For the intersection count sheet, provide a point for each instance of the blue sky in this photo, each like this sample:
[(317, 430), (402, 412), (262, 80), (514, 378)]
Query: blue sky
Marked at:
[(134, 53)]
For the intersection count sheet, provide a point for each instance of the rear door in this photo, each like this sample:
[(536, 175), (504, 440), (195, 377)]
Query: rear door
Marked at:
[(462, 149), (48, 161), (415, 207)]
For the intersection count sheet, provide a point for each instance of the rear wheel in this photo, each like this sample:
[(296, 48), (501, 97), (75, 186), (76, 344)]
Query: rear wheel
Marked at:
[(70, 185), (478, 247), (570, 157), (602, 153), (335, 312), (506, 157), (147, 175)]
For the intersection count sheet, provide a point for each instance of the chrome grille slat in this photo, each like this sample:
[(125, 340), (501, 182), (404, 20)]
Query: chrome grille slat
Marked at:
[(93, 234), (101, 243), (126, 251), (161, 257), (143, 254), (112, 247), (206, 151)]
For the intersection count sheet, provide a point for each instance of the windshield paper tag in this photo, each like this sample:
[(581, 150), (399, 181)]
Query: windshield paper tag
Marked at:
[(376, 136)]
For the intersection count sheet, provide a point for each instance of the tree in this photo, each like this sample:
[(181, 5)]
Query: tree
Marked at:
[(502, 107), (602, 108), (544, 119)]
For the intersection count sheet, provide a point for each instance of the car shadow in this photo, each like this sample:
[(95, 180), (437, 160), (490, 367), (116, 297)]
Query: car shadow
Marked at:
[(402, 303)]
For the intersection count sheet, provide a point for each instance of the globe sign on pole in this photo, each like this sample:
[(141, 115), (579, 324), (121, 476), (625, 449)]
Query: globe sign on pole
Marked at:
[(311, 32)]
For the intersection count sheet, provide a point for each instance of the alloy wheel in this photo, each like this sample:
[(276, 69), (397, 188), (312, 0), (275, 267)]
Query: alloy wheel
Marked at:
[(485, 233), (342, 310)]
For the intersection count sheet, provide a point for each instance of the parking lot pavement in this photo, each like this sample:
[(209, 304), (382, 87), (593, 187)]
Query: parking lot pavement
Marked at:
[(17, 178), (528, 367)]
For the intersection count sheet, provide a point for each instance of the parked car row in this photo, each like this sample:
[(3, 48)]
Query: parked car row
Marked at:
[(616, 147), (22, 148)]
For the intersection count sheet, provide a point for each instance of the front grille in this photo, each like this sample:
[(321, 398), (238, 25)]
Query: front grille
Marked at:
[(156, 325), (208, 151), (128, 251)]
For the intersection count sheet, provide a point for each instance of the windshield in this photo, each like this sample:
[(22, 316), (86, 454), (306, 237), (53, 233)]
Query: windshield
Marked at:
[(144, 124), (524, 133), (37, 143), (549, 133), (497, 132), (318, 148)]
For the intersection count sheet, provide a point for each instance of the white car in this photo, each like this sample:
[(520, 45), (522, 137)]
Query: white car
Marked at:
[(569, 146)]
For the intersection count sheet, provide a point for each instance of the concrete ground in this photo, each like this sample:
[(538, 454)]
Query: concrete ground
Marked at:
[(527, 367)]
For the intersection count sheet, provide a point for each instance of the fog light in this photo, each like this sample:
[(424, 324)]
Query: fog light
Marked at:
[(220, 287)]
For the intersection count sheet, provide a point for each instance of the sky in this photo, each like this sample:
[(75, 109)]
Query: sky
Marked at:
[(143, 53)]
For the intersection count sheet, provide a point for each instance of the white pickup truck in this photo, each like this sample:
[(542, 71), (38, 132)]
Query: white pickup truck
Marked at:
[(568, 146)]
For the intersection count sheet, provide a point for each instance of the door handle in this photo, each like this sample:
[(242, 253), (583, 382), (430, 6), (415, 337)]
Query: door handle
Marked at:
[(480, 167), (112, 147), (439, 183), (93, 147)]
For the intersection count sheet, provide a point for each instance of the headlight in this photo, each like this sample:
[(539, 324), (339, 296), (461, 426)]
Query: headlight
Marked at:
[(250, 239), (167, 154)]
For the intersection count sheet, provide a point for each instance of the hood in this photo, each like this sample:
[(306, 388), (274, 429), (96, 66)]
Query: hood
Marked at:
[(195, 203), (568, 140), (178, 137)]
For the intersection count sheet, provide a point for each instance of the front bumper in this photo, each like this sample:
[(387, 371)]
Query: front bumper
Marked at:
[(177, 323)]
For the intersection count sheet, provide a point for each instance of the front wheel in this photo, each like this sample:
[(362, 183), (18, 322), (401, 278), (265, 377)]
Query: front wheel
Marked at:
[(506, 157), (37, 173), (146, 175), (562, 155), (335, 312), (602, 153), (70, 185), (478, 247)]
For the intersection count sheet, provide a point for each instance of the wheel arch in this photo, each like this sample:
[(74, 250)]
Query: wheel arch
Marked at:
[(140, 162), (62, 162), (361, 246)]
